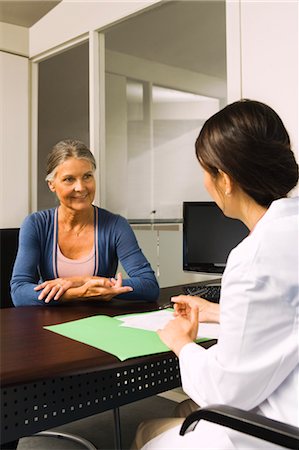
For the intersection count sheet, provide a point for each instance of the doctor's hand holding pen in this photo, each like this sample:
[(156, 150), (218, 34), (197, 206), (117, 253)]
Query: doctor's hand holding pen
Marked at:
[(189, 311), (181, 330), (207, 311)]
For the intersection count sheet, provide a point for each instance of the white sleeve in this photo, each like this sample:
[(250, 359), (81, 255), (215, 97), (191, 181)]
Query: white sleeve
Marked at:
[(257, 347)]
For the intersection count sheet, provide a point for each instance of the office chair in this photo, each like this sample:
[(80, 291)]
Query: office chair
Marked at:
[(246, 422), (8, 251)]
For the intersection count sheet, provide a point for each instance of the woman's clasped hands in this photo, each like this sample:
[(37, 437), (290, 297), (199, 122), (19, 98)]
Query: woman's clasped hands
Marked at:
[(81, 287)]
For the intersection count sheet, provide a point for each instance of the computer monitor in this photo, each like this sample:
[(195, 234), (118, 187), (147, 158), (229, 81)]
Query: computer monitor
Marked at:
[(208, 237)]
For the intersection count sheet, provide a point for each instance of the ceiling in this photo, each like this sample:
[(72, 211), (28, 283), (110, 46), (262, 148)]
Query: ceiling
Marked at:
[(24, 13)]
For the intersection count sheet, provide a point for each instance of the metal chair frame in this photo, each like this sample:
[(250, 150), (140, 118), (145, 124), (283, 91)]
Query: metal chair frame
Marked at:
[(246, 422)]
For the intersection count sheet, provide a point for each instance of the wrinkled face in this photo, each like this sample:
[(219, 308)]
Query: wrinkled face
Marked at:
[(74, 183)]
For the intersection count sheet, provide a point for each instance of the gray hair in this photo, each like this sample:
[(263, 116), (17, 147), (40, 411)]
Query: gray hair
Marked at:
[(63, 150)]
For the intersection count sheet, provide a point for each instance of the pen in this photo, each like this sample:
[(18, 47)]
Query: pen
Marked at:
[(166, 305)]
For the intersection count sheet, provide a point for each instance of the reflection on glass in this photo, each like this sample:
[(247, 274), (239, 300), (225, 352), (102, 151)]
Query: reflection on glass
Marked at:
[(150, 157), (162, 169), (139, 151), (177, 119)]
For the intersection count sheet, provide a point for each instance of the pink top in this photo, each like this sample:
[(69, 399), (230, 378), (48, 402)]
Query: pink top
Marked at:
[(78, 265), (67, 267)]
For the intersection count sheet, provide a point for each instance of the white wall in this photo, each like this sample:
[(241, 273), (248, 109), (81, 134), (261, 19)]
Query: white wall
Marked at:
[(271, 73), (264, 60), (14, 140), (14, 123)]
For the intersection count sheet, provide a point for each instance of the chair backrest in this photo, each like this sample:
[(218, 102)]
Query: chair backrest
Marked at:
[(8, 251)]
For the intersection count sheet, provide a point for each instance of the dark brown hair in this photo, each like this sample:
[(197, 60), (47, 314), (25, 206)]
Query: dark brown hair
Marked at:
[(248, 141)]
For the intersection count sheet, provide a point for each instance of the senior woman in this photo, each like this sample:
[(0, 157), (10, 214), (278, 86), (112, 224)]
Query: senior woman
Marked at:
[(72, 251)]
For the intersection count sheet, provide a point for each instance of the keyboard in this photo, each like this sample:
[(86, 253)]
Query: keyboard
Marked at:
[(209, 292)]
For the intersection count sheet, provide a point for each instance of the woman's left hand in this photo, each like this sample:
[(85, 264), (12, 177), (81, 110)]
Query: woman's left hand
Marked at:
[(180, 331)]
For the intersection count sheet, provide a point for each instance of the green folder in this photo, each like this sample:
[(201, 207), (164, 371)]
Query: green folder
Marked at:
[(106, 333)]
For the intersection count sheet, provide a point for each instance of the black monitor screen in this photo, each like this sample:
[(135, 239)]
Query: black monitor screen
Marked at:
[(208, 237)]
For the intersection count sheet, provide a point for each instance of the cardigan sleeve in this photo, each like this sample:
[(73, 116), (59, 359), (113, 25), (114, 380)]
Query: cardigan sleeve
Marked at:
[(25, 272), (141, 276)]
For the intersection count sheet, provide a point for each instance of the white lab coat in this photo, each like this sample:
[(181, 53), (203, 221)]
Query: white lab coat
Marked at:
[(255, 364)]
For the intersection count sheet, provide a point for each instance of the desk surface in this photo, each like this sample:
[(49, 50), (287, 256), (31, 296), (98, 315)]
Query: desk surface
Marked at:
[(48, 380), (30, 353)]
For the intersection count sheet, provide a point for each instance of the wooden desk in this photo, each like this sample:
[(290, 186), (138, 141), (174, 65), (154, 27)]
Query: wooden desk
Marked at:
[(48, 380)]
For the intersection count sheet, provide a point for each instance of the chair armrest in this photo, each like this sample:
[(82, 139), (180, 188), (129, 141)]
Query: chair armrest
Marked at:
[(246, 422)]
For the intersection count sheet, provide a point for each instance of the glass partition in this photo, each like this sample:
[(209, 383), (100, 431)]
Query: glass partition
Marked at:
[(161, 86), (162, 125), (63, 108), (177, 118)]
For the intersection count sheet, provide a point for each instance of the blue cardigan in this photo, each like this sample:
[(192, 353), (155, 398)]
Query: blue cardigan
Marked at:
[(36, 259)]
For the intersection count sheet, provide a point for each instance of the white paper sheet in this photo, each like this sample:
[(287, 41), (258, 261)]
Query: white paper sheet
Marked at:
[(158, 319)]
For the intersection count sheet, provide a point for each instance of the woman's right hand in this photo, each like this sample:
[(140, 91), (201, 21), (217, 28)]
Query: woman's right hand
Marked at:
[(53, 289), (207, 311)]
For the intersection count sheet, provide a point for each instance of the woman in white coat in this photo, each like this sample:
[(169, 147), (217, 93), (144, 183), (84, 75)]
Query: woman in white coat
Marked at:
[(249, 170)]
